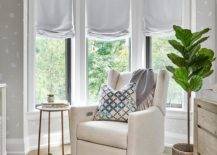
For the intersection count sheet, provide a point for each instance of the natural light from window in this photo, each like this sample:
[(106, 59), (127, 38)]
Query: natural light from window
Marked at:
[(102, 56), (160, 49), (50, 69)]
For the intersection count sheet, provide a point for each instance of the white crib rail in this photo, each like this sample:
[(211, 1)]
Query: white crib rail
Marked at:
[(3, 119)]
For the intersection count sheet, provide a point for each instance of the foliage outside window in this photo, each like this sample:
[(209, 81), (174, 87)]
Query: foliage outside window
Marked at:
[(160, 49), (50, 68), (102, 56)]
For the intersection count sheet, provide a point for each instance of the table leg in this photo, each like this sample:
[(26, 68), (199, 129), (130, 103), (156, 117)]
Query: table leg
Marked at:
[(48, 132), (62, 133), (39, 132)]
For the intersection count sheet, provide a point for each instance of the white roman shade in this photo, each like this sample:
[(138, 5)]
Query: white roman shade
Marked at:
[(107, 18), (161, 15), (54, 18)]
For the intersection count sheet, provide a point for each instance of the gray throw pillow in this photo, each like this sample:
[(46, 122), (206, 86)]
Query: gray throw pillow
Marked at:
[(116, 105)]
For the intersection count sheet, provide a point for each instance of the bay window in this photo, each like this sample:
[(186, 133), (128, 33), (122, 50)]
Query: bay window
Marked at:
[(99, 41)]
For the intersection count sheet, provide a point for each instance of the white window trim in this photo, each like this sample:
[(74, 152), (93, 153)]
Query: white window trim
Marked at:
[(30, 55), (137, 36), (79, 81)]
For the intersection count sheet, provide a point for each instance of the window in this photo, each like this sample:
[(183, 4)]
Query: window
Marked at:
[(159, 50), (51, 69), (102, 56)]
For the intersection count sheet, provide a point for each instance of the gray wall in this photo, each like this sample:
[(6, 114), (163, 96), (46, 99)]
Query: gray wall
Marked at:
[(11, 63)]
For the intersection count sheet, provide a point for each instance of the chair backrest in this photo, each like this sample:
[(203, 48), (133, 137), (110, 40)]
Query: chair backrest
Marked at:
[(117, 81)]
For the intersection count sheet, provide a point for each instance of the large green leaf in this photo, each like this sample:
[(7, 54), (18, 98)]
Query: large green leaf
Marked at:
[(203, 59), (196, 83), (197, 43), (184, 84), (170, 69), (177, 60), (194, 51), (198, 35), (195, 71), (208, 73), (199, 61), (180, 75), (177, 45), (184, 35), (201, 70), (207, 52), (206, 70)]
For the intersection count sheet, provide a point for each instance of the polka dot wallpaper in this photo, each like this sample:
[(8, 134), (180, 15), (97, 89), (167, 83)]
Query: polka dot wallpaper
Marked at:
[(11, 47)]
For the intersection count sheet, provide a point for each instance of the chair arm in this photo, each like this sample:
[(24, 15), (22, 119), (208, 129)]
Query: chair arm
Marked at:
[(146, 132), (79, 114), (82, 113)]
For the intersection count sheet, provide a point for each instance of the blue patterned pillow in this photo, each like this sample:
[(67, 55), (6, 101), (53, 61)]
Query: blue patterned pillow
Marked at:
[(116, 105)]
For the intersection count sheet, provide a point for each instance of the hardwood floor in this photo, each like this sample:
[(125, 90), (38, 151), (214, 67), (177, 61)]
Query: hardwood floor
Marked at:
[(57, 151)]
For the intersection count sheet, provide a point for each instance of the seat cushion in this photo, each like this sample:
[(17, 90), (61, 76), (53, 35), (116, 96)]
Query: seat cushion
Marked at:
[(104, 132)]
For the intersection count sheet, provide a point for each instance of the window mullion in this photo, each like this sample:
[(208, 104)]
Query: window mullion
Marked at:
[(68, 69), (79, 82), (148, 52), (137, 36)]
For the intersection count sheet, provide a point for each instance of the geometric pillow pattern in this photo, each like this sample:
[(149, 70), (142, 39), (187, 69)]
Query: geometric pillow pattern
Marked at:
[(116, 105)]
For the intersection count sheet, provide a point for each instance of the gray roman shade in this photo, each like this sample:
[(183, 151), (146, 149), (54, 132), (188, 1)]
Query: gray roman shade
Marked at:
[(161, 15), (107, 18), (54, 18)]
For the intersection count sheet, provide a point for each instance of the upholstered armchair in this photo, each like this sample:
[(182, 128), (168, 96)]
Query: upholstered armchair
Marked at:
[(142, 135)]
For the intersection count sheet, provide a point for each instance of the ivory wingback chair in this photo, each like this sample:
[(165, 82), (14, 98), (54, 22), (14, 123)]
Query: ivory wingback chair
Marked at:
[(142, 135)]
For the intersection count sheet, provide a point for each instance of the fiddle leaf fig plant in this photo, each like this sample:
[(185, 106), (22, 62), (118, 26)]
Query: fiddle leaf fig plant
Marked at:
[(193, 62)]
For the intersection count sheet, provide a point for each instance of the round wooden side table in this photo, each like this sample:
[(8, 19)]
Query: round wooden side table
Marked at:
[(51, 107)]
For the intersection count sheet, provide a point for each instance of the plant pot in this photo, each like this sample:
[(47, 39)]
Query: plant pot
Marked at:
[(182, 149)]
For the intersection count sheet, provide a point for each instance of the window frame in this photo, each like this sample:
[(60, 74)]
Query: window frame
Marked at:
[(68, 51), (148, 52)]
